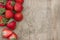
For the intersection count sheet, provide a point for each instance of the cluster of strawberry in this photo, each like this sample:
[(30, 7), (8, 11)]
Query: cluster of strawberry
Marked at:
[(10, 12)]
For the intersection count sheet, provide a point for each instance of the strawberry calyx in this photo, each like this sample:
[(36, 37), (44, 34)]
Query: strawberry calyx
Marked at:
[(13, 3), (3, 1), (10, 21), (13, 39), (2, 10), (5, 20)]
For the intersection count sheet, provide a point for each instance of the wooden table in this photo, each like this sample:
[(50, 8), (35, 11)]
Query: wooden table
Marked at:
[(41, 21)]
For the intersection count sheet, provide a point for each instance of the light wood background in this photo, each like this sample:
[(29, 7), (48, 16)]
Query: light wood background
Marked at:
[(41, 21)]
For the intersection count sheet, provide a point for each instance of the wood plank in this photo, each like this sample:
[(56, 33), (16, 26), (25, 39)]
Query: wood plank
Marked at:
[(41, 21)]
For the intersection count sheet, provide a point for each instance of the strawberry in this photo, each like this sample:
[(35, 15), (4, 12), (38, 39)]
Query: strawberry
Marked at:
[(3, 21), (8, 14), (18, 16), (13, 37), (18, 7), (6, 33), (11, 24), (10, 4), (19, 1)]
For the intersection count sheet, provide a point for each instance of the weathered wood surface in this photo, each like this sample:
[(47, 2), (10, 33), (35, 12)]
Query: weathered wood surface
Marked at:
[(41, 21)]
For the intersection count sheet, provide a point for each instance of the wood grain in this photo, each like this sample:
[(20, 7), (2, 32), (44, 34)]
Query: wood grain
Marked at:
[(41, 21)]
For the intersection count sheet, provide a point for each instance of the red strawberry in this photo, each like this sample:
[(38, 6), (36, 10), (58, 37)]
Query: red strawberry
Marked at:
[(10, 4), (11, 25), (19, 1), (6, 33), (18, 7), (8, 14), (18, 16), (13, 37), (3, 21)]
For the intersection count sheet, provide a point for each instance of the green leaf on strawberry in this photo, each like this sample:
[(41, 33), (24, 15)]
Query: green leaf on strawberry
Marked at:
[(2, 10), (13, 39), (5, 20), (13, 3), (4, 2)]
